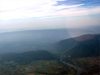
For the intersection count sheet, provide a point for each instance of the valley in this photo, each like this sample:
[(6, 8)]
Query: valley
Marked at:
[(73, 56)]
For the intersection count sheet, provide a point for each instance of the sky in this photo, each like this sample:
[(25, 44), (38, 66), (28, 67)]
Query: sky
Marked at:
[(48, 14)]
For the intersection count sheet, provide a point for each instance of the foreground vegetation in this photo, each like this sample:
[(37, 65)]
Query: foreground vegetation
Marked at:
[(51, 67)]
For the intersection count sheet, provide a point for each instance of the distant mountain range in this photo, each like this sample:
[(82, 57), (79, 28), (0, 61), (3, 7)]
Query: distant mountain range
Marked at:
[(22, 41)]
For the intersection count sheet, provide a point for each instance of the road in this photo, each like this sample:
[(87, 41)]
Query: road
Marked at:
[(78, 69)]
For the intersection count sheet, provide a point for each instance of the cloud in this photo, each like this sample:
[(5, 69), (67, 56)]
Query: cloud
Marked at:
[(21, 9), (42, 14)]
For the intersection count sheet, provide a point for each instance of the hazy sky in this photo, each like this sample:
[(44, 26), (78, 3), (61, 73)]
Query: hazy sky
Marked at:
[(48, 14)]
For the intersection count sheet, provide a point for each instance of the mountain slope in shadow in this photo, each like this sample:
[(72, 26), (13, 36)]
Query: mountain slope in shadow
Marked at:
[(27, 57), (82, 46)]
